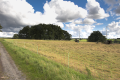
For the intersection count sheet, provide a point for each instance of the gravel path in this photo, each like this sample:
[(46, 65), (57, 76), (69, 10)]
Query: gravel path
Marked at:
[(8, 69)]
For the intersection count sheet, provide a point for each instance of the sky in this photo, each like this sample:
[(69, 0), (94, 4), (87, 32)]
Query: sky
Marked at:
[(78, 17)]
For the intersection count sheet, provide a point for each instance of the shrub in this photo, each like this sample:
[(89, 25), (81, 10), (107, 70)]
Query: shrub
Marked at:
[(76, 40), (109, 42), (96, 36)]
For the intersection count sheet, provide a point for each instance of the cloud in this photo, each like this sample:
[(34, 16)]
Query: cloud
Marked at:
[(112, 13), (84, 30), (114, 27), (85, 21), (88, 21), (95, 11), (7, 34), (67, 13), (110, 3), (114, 4), (118, 18), (103, 31), (113, 30), (14, 17), (110, 35), (117, 10), (88, 28), (78, 21), (59, 24), (76, 34), (99, 24)]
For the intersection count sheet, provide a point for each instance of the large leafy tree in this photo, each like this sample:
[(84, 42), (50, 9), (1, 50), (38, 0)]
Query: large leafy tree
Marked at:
[(24, 33), (1, 28), (96, 36), (67, 36)]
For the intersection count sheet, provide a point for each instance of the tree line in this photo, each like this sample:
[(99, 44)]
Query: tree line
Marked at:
[(43, 31)]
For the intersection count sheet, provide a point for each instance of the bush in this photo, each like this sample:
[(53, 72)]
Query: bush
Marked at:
[(76, 40), (109, 42), (96, 36)]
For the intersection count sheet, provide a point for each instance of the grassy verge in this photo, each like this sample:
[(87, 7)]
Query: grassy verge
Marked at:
[(37, 67)]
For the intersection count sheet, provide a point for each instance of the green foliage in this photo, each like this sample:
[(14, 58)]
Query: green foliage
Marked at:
[(15, 36), (1, 28), (24, 33), (96, 36), (44, 31)]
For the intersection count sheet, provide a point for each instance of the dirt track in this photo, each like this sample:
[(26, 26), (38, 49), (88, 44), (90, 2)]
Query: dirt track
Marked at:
[(8, 69)]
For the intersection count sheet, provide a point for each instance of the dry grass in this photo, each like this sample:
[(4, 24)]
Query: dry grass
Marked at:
[(101, 59)]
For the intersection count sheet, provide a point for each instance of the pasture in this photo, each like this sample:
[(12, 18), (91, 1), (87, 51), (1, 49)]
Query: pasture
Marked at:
[(101, 59)]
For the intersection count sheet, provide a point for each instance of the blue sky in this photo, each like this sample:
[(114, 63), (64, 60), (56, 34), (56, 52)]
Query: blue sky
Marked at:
[(73, 16)]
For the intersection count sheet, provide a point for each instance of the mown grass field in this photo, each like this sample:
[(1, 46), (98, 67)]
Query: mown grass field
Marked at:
[(101, 59)]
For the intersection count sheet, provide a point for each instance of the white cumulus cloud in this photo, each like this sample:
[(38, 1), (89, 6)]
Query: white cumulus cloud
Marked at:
[(88, 21), (95, 11), (114, 27), (84, 30), (85, 21), (13, 16), (78, 21), (110, 35), (67, 10)]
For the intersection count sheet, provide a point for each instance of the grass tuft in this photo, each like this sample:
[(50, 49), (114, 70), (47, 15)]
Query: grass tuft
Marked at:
[(88, 72)]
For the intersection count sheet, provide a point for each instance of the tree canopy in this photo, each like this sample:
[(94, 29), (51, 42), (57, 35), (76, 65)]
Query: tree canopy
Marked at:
[(1, 28), (44, 31), (96, 36), (15, 36)]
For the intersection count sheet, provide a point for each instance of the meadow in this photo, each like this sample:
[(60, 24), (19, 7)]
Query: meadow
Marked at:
[(101, 59)]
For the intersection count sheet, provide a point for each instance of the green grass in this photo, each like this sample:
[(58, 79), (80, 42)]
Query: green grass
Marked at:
[(83, 40), (37, 67)]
